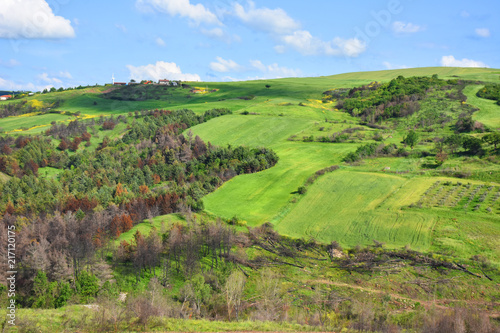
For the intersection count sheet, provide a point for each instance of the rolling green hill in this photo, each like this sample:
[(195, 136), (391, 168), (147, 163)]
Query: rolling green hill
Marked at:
[(269, 117), (343, 218)]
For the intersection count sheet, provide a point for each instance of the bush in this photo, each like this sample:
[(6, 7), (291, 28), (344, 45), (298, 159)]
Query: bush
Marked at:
[(87, 286)]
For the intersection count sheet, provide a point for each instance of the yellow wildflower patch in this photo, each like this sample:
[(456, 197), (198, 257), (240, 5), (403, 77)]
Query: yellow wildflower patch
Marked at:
[(31, 114)]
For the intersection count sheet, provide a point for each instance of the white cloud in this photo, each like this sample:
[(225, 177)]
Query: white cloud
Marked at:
[(274, 71), (224, 66), (32, 19), (214, 33), (348, 47), (408, 28), (218, 33), (65, 75), (160, 42), (183, 8), (303, 42), (280, 49), (44, 77), (450, 61), (11, 85), (388, 65), (483, 32), (274, 21), (160, 70)]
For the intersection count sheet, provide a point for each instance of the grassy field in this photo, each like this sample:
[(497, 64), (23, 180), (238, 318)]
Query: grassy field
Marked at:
[(351, 208), (399, 201), (265, 101), (257, 198), (489, 113), (32, 124), (49, 172), (77, 318), (145, 227), (355, 208), (352, 205), (483, 74)]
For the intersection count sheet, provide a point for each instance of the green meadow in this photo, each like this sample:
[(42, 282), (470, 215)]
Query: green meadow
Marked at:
[(489, 111), (350, 207), (354, 205)]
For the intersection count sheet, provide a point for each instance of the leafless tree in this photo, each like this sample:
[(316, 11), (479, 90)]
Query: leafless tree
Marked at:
[(234, 293)]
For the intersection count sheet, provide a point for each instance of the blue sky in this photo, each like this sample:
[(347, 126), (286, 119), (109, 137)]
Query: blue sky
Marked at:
[(65, 43)]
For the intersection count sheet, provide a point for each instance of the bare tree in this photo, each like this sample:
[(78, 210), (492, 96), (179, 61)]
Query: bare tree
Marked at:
[(234, 292), (268, 287)]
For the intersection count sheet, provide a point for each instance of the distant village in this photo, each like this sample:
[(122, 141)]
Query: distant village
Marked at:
[(161, 82), (165, 82)]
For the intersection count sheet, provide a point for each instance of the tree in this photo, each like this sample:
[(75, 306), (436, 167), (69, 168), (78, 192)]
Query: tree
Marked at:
[(65, 293), (88, 286), (63, 145), (268, 288), (302, 190), (492, 139), (268, 86), (454, 142), (6, 150), (197, 291), (464, 124), (73, 146), (411, 139), (473, 145), (234, 292), (43, 297), (441, 157)]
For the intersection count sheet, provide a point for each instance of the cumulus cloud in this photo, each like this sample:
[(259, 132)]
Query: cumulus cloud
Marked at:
[(183, 8), (450, 61), (160, 70), (32, 19), (160, 42), (44, 77), (407, 28), (483, 32), (305, 43), (274, 21), (223, 66), (12, 85), (274, 70)]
